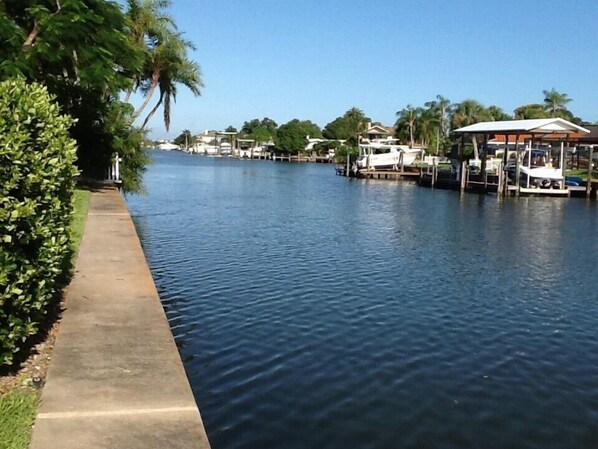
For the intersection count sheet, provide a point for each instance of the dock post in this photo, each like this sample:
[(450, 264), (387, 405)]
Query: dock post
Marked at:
[(589, 178), (517, 172), (348, 165), (463, 168), (501, 187), (433, 174)]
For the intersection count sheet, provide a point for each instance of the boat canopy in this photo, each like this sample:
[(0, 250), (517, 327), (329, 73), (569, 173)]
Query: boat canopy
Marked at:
[(531, 126)]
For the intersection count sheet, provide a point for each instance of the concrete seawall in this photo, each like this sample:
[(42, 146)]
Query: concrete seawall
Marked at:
[(116, 379)]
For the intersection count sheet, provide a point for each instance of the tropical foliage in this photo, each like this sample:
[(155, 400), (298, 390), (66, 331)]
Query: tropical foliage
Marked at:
[(261, 131), (90, 52), (292, 136), (555, 104), (348, 127), (37, 169)]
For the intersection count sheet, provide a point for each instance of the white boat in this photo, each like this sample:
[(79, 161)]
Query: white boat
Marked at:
[(249, 153), (535, 169), (225, 149), (386, 155), (168, 146), (206, 150)]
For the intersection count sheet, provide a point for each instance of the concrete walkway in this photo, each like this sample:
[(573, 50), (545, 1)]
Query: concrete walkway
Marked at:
[(116, 379)]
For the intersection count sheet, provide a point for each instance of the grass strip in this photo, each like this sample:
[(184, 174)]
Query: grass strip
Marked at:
[(582, 173), (81, 202), (17, 413)]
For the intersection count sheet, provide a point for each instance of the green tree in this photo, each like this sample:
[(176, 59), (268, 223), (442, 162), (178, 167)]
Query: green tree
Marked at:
[(497, 114), (349, 126), (467, 113), (184, 138), (38, 178), (83, 52), (166, 62), (427, 127), (406, 122), (358, 122), (168, 67), (340, 128), (259, 130), (146, 21), (530, 111), (292, 136), (440, 109), (555, 103)]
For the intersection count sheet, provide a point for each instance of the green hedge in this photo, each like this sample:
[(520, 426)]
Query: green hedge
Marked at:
[(37, 174)]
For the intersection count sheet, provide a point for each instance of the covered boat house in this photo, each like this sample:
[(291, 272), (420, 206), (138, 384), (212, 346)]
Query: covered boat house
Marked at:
[(517, 174)]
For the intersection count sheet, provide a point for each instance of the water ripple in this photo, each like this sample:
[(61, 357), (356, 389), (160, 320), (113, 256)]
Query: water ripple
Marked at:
[(315, 312)]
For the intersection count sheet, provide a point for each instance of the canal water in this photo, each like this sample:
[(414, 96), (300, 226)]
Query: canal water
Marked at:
[(313, 311)]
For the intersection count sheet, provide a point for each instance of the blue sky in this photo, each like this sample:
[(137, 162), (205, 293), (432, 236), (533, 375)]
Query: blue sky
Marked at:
[(314, 59)]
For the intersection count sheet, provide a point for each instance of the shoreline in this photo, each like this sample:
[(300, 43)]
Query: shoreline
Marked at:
[(116, 378)]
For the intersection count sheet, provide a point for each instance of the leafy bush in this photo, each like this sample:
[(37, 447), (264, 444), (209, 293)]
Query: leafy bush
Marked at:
[(37, 176)]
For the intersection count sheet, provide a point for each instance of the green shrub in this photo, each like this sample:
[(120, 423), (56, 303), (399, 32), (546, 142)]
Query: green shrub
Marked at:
[(37, 175)]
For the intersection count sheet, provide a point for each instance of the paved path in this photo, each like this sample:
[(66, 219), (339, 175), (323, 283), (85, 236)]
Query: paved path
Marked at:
[(116, 379)]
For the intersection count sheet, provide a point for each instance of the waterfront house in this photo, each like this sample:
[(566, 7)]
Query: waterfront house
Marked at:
[(377, 131)]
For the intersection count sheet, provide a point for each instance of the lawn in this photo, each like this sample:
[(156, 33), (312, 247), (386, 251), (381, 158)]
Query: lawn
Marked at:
[(19, 405), (583, 173), (17, 413)]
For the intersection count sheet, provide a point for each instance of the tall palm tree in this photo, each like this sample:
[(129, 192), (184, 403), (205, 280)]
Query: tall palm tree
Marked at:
[(171, 73), (406, 120), (147, 22), (358, 122), (555, 102), (166, 63), (441, 107), (427, 127)]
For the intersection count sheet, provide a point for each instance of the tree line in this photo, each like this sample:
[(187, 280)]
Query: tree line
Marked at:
[(430, 125)]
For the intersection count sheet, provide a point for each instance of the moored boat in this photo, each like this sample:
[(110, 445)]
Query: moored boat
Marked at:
[(386, 155), (536, 170)]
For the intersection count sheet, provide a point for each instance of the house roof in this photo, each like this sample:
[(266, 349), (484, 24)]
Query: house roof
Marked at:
[(534, 126), (378, 129)]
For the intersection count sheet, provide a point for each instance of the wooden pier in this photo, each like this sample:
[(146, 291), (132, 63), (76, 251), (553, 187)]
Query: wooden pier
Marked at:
[(495, 183), (395, 175)]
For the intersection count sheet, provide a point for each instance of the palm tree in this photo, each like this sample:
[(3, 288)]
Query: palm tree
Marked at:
[(555, 103), (530, 111), (441, 107), (168, 74), (358, 122), (406, 121), (166, 62), (467, 113), (427, 127), (497, 114), (147, 22)]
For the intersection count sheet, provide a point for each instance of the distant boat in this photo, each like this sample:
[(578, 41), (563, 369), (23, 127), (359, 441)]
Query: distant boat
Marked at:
[(168, 146), (225, 149), (248, 153), (385, 154)]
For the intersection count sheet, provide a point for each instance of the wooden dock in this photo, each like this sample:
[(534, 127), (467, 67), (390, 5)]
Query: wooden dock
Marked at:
[(438, 177), (395, 175), (495, 183)]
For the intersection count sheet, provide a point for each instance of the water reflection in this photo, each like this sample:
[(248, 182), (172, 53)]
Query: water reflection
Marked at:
[(313, 311)]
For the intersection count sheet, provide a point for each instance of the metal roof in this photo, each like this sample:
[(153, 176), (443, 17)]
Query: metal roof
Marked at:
[(533, 126)]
